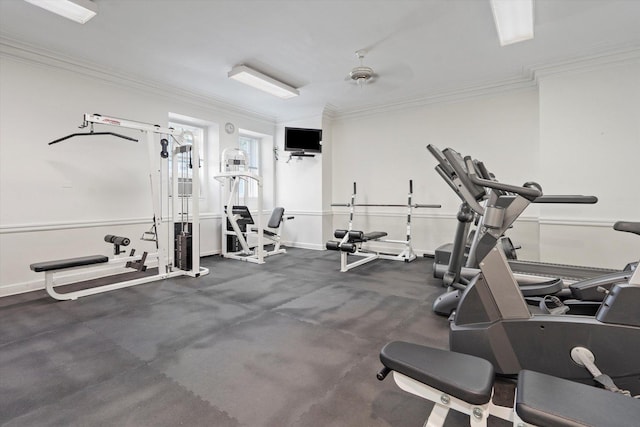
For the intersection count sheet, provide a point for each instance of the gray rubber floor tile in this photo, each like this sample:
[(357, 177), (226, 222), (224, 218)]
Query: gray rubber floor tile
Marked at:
[(364, 313), (360, 400), (151, 330), (23, 316), (140, 397), (45, 368), (264, 289), (266, 371)]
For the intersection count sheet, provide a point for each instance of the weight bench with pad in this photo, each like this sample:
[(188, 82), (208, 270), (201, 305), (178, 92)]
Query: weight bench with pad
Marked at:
[(51, 267), (450, 380), (465, 383), (351, 244), (63, 265), (550, 401)]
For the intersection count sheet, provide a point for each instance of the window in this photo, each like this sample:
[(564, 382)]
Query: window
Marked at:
[(185, 171), (251, 146)]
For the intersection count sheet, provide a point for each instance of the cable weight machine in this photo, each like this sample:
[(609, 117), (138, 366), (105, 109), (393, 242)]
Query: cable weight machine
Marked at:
[(177, 240)]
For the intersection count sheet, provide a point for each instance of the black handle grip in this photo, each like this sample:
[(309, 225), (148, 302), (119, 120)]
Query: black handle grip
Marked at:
[(163, 152), (354, 188), (411, 186), (382, 373)]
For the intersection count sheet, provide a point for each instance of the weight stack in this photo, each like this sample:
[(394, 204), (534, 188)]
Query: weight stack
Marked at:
[(183, 246)]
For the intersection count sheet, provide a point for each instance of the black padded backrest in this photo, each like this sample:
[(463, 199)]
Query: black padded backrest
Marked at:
[(276, 217)]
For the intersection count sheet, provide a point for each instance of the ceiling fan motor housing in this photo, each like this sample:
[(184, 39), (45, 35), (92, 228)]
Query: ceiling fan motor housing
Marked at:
[(361, 74)]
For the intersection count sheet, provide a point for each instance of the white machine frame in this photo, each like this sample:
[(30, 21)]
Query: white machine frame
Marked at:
[(164, 238), (232, 180), (367, 255)]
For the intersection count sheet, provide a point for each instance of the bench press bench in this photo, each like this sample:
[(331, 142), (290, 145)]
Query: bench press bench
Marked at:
[(465, 383), (351, 244), (353, 238)]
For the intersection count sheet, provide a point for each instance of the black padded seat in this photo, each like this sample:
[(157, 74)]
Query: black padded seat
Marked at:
[(68, 263), (466, 377), (373, 235), (550, 401)]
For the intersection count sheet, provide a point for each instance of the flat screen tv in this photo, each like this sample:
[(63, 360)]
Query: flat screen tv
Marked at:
[(302, 140)]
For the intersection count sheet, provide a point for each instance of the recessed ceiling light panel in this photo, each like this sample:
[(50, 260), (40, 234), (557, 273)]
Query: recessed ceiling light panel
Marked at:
[(256, 79), (514, 20), (77, 10)]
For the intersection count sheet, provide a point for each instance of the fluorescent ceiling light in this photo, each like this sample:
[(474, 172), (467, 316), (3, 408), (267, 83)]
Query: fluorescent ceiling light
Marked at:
[(514, 20), (76, 10), (255, 79)]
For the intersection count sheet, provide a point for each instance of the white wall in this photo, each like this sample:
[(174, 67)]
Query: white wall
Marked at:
[(590, 144), (59, 201), (300, 186), (383, 152), (578, 134)]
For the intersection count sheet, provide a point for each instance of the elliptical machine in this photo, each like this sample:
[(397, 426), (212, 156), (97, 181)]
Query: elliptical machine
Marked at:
[(544, 290), (493, 320)]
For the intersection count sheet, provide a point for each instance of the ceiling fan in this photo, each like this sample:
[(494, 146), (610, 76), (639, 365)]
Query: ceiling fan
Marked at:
[(362, 75)]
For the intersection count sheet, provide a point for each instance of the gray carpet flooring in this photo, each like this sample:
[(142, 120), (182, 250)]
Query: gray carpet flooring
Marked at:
[(293, 342)]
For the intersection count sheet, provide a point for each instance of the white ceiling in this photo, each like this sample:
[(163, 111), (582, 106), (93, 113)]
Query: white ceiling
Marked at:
[(420, 49)]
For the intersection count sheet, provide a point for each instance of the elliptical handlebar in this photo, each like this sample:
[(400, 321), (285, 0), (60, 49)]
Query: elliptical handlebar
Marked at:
[(529, 193)]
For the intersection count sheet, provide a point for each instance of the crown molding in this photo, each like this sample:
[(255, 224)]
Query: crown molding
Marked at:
[(623, 55), (17, 50), (529, 79), (456, 95)]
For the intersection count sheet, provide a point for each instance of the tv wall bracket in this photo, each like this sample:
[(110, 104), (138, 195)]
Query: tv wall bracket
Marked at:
[(299, 154)]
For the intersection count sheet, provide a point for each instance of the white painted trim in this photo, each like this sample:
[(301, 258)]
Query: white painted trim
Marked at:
[(462, 94), (589, 62), (28, 228), (313, 246), (398, 214), (527, 81), (309, 213), (25, 52), (54, 226)]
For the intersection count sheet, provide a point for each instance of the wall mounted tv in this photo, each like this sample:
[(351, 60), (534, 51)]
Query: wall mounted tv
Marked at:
[(302, 140)]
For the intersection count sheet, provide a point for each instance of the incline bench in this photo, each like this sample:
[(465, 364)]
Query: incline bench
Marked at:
[(465, 383)]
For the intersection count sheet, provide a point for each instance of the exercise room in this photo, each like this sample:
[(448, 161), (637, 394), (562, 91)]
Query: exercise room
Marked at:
[(380, 213)]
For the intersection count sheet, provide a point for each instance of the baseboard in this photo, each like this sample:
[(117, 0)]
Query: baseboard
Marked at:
[(314, 246)]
